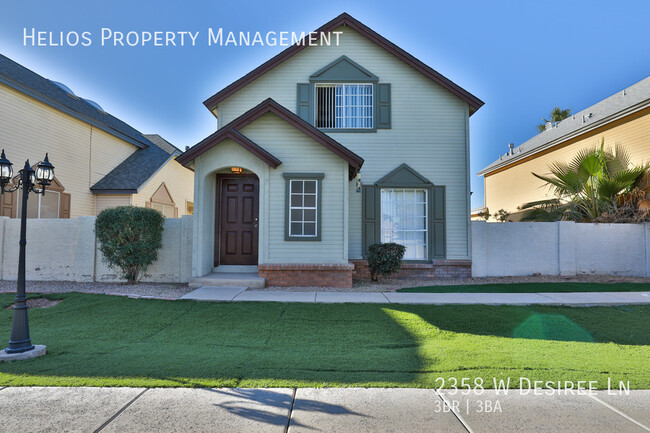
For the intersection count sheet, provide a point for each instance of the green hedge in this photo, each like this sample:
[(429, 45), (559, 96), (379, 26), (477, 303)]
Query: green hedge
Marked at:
[(129, 238), (385, 259)]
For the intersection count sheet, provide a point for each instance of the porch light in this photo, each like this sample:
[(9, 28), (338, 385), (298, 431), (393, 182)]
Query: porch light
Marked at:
[(236, 170)]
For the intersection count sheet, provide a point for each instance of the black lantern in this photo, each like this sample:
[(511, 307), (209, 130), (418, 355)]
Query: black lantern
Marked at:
[(26, 179), (44, 173), (6, 170)]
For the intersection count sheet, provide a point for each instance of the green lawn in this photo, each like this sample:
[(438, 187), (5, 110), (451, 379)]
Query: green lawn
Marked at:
[(532, 288), (98, 340)]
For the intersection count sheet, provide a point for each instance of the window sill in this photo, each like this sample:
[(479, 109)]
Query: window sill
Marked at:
[(346, 130), (301, 239)]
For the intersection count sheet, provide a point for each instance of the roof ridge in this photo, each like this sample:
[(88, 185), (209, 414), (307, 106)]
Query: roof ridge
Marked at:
[(266, 106), (623, 102), (346, 19)]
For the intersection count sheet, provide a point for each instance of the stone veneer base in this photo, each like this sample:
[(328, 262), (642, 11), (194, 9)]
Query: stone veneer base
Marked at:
[(341, 275), (438, 269), (307, 274)]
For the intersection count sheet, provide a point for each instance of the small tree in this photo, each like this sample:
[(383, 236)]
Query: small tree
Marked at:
[(385, 259), (485, 214), (502, 216), (129, 238)]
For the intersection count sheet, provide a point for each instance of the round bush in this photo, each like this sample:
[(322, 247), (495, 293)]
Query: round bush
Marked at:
[(385, 259), (129, 238)]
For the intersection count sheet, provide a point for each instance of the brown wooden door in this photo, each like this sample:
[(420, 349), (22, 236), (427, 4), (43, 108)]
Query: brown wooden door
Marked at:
[(238, 220)]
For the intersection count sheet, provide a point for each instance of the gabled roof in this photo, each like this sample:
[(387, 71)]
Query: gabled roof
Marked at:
[(232, 130), (404, 176), (136, 170), (617, 106), (55, 95), (347, 20), (343, 67)]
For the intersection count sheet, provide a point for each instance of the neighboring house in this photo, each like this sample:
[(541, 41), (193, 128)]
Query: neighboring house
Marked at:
[(99, 160), (325, 150), (623, 118)]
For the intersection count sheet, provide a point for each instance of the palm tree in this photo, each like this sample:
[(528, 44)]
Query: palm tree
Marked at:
[(587, 186), (557, 114)]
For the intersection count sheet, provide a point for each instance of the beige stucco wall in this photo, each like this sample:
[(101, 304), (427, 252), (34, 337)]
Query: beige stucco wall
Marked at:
[(80, 153), (429, 128), (179, 181), (298, 153), (516, 185), (77, 256)]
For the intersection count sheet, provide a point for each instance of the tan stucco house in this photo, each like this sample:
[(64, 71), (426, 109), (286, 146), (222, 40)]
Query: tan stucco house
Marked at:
[(100, 161), (326, 149), (623, 118)]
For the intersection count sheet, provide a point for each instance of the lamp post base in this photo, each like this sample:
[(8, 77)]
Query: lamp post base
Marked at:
[(38, 350)]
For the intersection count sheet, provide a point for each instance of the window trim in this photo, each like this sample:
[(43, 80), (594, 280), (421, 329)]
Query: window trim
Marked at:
[(427, 218), (38, 206), (318, 177), (374, 87)]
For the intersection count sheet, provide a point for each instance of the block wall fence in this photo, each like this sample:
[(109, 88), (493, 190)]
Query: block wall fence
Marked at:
[(560, 248), (66, 250)]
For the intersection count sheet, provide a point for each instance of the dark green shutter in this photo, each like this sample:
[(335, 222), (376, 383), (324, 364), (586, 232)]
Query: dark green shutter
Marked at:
[(305, 108), (383, 106), (371, 219), (437, 209)]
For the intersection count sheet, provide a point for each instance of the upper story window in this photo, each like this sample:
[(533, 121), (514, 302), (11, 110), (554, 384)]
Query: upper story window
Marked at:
[(344, 106), (343, 96)]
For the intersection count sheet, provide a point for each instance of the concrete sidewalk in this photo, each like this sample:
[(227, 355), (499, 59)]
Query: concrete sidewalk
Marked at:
[(236, 294), (307, 410)]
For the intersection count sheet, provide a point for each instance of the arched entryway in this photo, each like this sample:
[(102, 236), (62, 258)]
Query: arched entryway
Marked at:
[(236, 218)]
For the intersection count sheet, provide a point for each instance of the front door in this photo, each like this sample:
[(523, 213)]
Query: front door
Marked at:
[(238, 220)]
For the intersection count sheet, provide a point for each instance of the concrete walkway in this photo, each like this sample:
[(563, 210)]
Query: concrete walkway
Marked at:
[(308, 410), (236, 294)]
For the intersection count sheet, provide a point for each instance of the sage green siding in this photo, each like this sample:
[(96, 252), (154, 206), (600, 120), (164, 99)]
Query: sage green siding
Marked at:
[(298, 153), (428, 129)]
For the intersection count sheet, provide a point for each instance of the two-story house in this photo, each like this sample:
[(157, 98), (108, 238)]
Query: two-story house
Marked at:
[(326, 149), (100, 161)]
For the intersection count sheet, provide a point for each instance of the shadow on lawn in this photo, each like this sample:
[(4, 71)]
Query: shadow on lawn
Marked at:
[(186, 343), (539, 322)]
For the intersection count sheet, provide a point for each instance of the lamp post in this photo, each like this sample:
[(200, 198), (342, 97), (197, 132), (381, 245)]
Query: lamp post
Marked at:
[(26, 179)]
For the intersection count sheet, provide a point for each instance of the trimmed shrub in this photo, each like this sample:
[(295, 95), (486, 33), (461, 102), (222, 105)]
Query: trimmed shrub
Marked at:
[(129, 238), (385, 259)]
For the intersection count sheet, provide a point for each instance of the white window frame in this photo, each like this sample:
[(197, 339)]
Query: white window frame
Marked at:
[(425, 216), (19, 201), (343, 106), (163, 206), (303, 208)]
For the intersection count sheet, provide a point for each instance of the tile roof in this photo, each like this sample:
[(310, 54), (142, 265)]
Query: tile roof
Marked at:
[(622, 103)]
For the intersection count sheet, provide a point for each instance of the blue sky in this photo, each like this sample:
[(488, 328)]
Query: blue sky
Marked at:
[(520, 57)]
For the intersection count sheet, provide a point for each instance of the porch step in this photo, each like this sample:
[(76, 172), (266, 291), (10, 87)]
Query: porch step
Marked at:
[(231, 269), (229, 279)]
